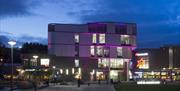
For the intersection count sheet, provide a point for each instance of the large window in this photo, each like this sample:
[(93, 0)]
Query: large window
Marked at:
[(94, 38), (102, 38), (76, 61), (119, 51), (100, 50), (116, 63), (92, 50), (125, 39), (103, 63), (76, 38)]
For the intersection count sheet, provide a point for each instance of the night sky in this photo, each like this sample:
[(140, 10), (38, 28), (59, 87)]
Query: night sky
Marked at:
[(158, 20)]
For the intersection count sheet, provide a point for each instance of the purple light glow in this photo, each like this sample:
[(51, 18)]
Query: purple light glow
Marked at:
[(109, 45)]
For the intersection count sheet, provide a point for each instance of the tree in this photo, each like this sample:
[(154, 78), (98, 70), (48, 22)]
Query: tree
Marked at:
[(34, 48)]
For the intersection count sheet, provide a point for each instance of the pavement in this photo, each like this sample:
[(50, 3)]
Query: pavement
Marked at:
[(92, 87)]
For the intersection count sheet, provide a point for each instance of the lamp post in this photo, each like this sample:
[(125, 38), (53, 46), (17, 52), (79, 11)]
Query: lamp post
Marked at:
[(35, 82), (12, 43)]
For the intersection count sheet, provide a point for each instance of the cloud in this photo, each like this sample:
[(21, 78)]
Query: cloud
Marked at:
[(26, 38), (5, 37), (158, 20), (11, 8)]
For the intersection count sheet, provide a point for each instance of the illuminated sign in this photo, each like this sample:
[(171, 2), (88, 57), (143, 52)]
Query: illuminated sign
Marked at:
[(148, 82), (142, 54), (142, 63), (45, 62)]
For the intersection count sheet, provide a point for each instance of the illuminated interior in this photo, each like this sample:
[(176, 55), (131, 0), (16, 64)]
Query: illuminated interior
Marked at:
[(114, 62), (76, 37), (76, 61), (99, 50), (102, 38), (94, 38), (92, 51)]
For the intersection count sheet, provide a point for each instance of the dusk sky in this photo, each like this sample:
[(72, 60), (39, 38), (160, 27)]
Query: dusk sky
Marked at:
[(158, 21)]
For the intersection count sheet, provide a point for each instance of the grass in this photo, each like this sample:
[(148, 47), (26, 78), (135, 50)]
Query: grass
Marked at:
[(134, 87)]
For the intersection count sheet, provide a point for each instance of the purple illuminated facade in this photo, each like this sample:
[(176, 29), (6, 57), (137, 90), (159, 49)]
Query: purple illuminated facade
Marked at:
[(92, 51)]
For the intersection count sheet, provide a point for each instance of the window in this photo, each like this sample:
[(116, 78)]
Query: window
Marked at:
[(125, 39), (102, 38), (67, 72), (61, 71), (119, 51), (103, 63), (100, 50), (97, 28), (121, 28), (116, 63), (131, 29), (76, 38), (76, 50), (106, 51), (76, 62), (34, 62), (92, 51), (94, 38)]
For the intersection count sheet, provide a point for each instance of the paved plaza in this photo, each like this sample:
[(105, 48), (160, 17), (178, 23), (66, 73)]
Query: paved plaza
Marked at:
[(92, 87)]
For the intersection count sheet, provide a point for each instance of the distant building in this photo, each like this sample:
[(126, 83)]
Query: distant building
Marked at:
[(163, 62), (92, 51)]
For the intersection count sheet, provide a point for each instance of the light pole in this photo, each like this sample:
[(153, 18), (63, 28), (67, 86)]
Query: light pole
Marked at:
[(12, 43), (36, 64)]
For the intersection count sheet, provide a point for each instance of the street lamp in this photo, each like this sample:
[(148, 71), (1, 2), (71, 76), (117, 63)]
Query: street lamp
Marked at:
[(35, 83), (12, 43)]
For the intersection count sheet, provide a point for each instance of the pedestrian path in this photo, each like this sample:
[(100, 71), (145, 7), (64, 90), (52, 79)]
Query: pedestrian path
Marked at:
[(93, 87)]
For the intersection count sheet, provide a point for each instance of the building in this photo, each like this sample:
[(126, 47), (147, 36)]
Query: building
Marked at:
[(159, 63), (93, 51)]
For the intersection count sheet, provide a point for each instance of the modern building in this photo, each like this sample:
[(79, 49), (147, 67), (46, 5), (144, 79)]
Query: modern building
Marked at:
[(93, 51), (159, 63)]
